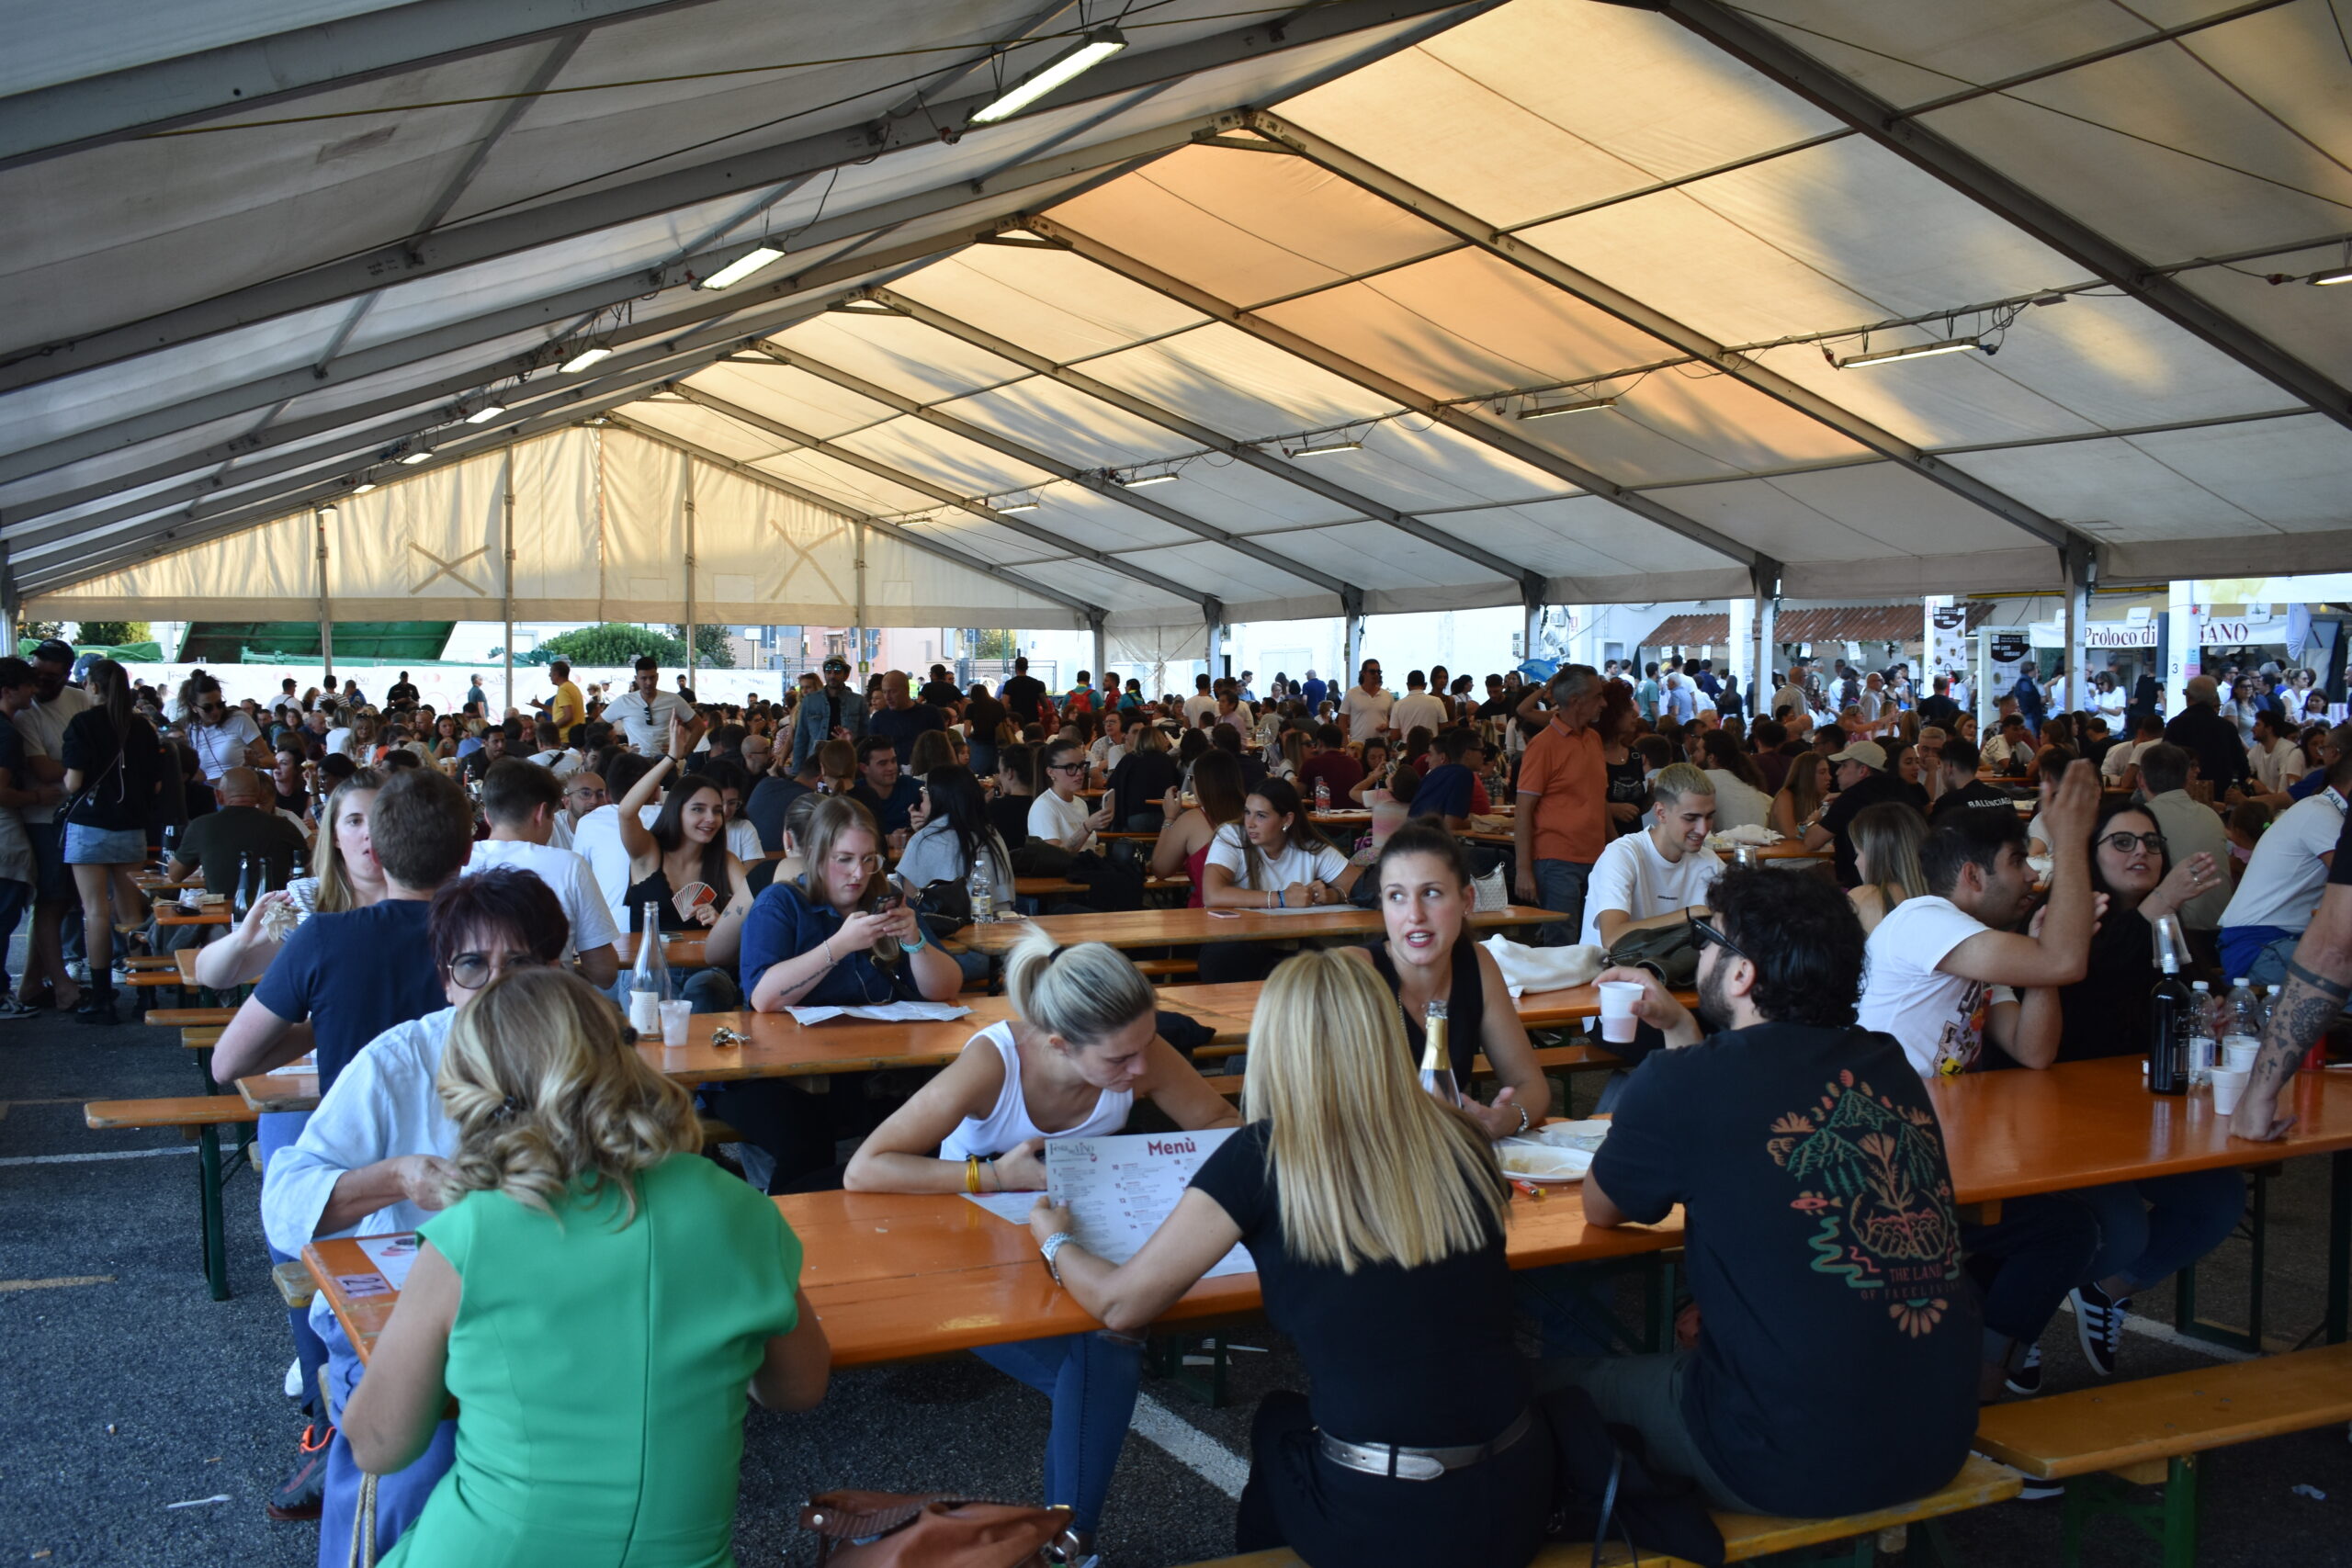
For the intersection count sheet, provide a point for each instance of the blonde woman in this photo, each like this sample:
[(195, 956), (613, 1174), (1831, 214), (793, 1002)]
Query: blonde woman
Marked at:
[(1082, 1046), (575, 1179), (1798, 805), (1375, 1216), (1886, 856), (350, 877)]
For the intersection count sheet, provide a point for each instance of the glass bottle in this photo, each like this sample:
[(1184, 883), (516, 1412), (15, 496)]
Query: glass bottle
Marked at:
[(648, 979), (1437, 1061), (242, 899), (982, 891), (2172, 1020)]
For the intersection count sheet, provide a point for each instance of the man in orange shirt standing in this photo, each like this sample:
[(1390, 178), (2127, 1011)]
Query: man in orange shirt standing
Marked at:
[(1562, 821)]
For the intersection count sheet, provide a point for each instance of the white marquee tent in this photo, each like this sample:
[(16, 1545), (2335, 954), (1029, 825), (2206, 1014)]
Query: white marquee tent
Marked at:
[(1299, 310)]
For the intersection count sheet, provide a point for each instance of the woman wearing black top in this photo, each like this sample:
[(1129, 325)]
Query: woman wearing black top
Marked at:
[(1016, 780), (2149, 1230), (1375, 1218), (686, 844), (1428, 956), (1142, 780), (113, 766), (1629, 796)]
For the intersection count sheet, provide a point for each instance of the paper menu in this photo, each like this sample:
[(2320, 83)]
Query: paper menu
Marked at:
[(1120, 1188), (393, 1256), (1011, 1206), (884, 1012)]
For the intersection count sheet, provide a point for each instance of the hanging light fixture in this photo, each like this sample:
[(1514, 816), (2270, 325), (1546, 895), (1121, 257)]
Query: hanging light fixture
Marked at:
[(1317, 448), (584, 358), (1912, 351), (1072, 63), (741, 267), (1540, 409), (487, 412)]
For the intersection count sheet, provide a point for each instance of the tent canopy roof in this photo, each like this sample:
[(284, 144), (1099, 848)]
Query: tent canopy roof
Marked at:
[(1305, 279)]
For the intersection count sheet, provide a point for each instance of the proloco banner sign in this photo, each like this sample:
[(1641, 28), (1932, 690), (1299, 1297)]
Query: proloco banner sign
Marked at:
[(2097, 634)]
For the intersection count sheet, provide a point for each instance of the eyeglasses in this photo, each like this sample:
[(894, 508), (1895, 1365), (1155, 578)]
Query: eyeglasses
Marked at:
[(2125, 843), (1064, 767), (475, 970), (1710, 935)]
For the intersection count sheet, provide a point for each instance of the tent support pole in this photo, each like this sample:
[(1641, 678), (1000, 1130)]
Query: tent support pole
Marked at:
[(1101, 648), (1531, 602), (689, 520), (326, 610), (11, 600), (506, 593), (1766, 576), (1355, 650), (857, 655), (1213, 612), (2081, 566)]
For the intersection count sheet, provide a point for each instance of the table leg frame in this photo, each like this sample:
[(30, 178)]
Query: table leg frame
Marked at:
[(216, 1241), (2171, 1521), (2185, 1319)]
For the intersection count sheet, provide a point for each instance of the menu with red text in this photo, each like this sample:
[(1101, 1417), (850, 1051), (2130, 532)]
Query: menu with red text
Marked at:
[(1120, 1188)]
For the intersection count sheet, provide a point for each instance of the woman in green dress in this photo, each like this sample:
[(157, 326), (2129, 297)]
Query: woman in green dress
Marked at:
[(597, 1299)]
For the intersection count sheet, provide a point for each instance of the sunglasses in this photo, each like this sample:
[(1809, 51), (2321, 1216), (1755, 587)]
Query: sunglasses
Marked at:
[(475, 970), (2125, 843), (1711, 936)]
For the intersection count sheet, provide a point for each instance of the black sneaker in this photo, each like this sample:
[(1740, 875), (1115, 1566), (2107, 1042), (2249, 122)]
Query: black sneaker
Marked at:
[(2098, 1324), (303, 1492), (2025, 1376)]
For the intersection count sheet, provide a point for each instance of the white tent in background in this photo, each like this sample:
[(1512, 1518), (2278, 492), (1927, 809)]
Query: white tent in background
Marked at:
[(1376, 307)]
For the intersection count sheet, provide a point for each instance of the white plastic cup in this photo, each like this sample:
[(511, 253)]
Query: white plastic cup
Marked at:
[(673, 1021), (1617, 1020), (2228, 1084), (2238, 1052)]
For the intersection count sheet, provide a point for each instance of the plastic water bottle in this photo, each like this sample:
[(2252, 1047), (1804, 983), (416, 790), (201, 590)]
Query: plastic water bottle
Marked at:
[(1322, 795), (983, 892), (2201, 1045), (648, 980), (2242, 1016)]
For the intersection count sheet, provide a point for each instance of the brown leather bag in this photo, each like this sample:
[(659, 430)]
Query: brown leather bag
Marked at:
[(938, 1530)]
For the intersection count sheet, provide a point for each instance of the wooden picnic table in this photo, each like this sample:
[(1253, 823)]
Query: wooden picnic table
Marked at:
[(678, 951), (895, 1277), (1187, 927), (211, 915), (185, 958)]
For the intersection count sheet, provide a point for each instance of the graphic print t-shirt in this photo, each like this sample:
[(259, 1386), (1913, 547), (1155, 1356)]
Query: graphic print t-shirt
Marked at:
[(1937, 1018), (1838, 1343)]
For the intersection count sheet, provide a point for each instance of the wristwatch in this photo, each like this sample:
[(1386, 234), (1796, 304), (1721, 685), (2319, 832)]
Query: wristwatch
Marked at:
[(1050, 1248)]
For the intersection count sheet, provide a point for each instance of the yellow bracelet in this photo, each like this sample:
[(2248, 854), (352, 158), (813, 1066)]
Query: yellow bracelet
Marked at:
[(971, 1173)]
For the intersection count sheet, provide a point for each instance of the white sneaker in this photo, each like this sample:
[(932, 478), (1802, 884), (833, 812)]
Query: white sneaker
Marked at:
[(78, 972), (294, 1379)]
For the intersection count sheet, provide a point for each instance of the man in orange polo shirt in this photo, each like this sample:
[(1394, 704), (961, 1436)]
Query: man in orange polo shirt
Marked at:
[(1562, 820)]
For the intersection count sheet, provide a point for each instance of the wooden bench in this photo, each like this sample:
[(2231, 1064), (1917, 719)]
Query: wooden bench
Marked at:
[(200, 1118), (2151, 1430), (1748, 1536)]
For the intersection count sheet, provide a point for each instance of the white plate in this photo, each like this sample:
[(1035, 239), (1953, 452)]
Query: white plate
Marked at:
[(1584, 1136), (1524, 1159)]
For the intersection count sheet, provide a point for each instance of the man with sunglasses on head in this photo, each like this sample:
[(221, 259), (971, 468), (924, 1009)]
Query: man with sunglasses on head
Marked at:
[(1828, 1364), (373, 1159), (583, 792)]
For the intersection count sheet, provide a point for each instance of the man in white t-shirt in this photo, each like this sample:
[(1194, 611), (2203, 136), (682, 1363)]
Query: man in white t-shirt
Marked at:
[(521, 801), (1416, 709), (643, 712), (1061, 815), (1945, 974), (1661, 875), (2282, 883), (1201, 704), (1364, 707), (2121, 766), (1110, 747), (2274, 759)]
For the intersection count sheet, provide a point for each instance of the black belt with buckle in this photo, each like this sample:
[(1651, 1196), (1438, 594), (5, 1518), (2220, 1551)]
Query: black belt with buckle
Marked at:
[(1400, 1463)]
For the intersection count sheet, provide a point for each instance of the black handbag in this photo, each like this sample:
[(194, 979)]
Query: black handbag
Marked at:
[(1604, 1485), (1671, 953)]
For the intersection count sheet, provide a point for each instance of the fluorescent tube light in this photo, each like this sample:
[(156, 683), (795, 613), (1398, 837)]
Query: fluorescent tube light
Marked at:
[(1317, 449), (1574, 405), (1142, 479), (417, 455), (485, 414), (584, 358), (1916, 350), (363, 486), (741, 267), (326, 511), (1016, 506), (2337, 275), (1076, 61)]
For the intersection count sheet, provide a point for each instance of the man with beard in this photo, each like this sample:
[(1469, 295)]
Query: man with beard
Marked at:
[(1788, 1135)]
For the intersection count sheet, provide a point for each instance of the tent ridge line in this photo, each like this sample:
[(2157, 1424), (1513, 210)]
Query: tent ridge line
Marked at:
[(1095, 480), (1201, 434), (1548, 269), (1458, 420)]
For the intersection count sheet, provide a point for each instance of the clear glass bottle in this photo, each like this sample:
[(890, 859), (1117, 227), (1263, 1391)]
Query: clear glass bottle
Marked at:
[(982, 890), (242, 899), (1437, 1059), (648, 979)]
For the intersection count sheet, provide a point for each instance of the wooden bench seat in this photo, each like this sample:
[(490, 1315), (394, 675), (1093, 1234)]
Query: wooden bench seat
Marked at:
[(200, 1117), (1749, 1536), (189, 1018), (2152, 1430)]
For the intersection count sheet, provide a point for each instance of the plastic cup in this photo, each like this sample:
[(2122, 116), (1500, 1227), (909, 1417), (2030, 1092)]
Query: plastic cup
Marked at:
[(1617, 1020), (2228, 1084), (2238, 1052), (673, 1021)]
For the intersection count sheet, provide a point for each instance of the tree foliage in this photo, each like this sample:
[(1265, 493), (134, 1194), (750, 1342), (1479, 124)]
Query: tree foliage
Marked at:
[(112, 634), (623, 643)]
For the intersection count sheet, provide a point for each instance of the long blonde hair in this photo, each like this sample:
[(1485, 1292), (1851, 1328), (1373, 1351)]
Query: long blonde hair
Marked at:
[(1086, 992), (1369, 1168), (1802, 786), (834, 816), (336, 895), (545, 1090)]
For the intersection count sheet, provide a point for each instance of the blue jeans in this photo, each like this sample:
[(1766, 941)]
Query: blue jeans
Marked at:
[(400, 1497), (2151, 1230), (1559, 887), (2026, 1262), (2260, 965), (1092, 1379), (279, 1129)]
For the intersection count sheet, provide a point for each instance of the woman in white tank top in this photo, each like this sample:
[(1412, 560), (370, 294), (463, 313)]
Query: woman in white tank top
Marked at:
[(1083, 1045)]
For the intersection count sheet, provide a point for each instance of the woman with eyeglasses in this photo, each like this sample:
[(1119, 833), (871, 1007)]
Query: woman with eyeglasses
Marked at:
[(2148, 1230)]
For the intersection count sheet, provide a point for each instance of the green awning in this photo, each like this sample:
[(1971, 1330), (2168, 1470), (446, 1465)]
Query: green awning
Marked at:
[(357, 643)]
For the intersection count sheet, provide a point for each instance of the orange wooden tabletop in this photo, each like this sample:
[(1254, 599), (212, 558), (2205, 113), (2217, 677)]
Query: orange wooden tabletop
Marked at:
[(2089, 1124), (677, 952), (185, 958), (895, 1277), (281, 1092), (1185, 928), (213, 915)]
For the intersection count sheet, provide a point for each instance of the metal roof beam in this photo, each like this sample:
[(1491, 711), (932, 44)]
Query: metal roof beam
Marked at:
[(1547, 268), (1461, 420), (1201, 434), (140, 100), (489, 239), (1757, 46), (986, 513), (898, 531), (1095, 480)]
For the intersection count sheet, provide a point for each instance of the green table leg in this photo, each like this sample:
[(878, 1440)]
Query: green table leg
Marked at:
[(2180, 1513), (216, 1243), (2339, 1243)]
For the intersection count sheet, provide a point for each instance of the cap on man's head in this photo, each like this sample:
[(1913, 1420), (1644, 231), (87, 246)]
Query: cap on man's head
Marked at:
[(1868, 754), (835, 661), (52, 651)]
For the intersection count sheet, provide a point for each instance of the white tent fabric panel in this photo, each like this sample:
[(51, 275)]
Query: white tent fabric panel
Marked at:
[(1082, 430), (964, 467), (1583, 536), (1100, 522), (791, 397), (908, 587), (2294, 313), (561, 521), (54, 44), (431, 549), (645, 488), (1245, 500), (1849, 514), (1222, 377), (892, 352), (763, 556), (706, 427), (1047, 301)]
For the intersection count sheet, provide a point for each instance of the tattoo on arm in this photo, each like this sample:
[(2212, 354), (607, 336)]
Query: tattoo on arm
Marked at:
[(2306, 1007), (2338, 989)]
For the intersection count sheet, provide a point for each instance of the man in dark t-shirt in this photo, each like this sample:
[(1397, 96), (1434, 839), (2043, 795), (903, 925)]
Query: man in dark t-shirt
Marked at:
[(883, 790), (1963, 791), (1862, 780), (941, 692), (242, 833), (1937, 708), (1331, 764), (2201, 731), (1447, 790), (1020, 693), (1837, 1364)]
